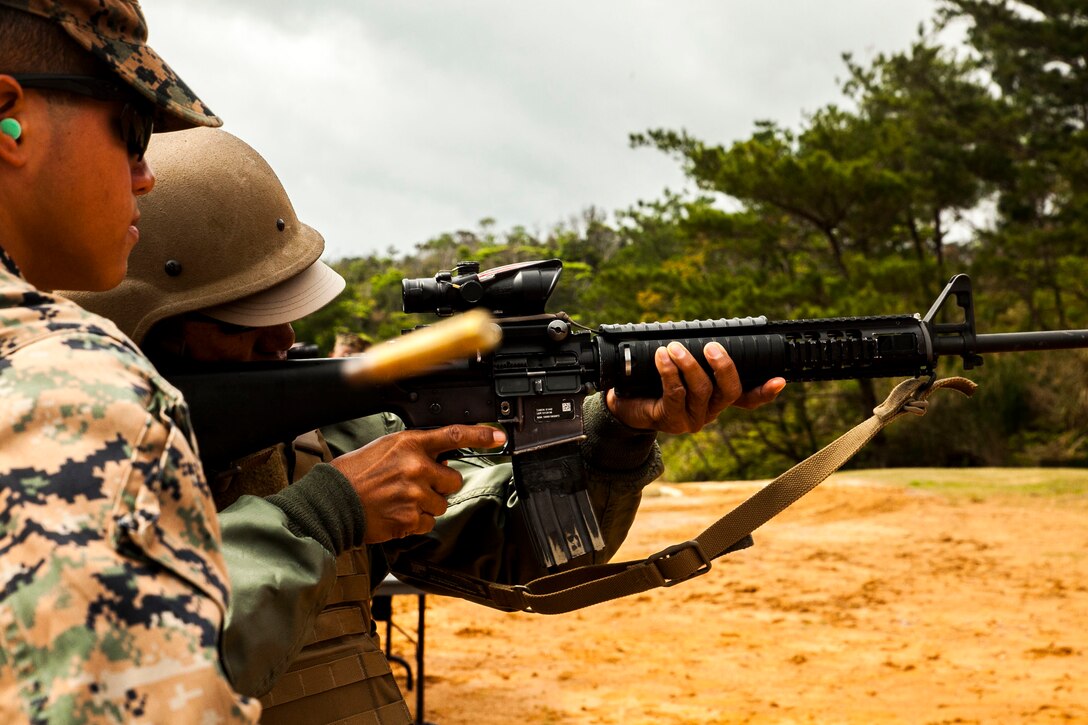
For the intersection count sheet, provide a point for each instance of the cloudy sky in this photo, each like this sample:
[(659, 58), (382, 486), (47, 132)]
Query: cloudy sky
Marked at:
[(391, 122)]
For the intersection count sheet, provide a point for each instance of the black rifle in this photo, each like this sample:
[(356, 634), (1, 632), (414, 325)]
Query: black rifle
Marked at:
[(535, 382), (303, 351)]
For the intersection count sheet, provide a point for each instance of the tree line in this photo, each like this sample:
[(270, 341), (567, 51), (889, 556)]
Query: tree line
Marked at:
[(938, 159)]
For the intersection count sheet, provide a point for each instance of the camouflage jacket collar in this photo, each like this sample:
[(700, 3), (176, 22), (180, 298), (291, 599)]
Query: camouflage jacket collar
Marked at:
[(29, 314), (8, 263)]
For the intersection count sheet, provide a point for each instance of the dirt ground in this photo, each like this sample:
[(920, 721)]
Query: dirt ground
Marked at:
[(913, 596)]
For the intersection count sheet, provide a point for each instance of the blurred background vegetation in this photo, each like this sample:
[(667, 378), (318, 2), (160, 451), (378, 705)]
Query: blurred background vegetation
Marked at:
[(939, 159)]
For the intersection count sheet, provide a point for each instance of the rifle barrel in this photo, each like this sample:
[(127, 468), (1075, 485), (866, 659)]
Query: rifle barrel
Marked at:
[(1024, 341), (1012, 342)]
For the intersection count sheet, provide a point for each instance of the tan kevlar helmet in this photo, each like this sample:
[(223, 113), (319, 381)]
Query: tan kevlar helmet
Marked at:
[(217, 234)]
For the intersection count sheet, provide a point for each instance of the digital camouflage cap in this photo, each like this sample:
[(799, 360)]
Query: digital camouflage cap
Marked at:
[(115, 32)]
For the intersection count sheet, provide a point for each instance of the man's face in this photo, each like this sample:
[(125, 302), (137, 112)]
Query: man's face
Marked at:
[(79, 211), (202, 339), (92, 184)]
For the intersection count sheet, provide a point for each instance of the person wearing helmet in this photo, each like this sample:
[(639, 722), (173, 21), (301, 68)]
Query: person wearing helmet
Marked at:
[(218, 276), (223, 267), (112, 586)]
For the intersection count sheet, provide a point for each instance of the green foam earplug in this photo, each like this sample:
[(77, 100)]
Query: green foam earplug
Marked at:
[(11, 127)]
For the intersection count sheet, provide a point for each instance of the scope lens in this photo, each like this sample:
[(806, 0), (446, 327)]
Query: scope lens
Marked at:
[(421, 294)]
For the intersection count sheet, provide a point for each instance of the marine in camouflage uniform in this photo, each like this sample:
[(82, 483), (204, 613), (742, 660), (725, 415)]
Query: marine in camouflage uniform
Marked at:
[(112, 583), (113, 587)]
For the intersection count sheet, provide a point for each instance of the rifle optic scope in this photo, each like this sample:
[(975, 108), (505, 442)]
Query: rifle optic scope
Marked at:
[(516, 289)]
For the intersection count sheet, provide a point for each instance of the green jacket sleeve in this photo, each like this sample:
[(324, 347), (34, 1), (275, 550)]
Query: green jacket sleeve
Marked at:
[(280, 555), (482, 533)]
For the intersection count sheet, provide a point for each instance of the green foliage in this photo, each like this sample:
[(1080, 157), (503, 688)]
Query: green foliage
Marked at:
[(859, 210), (1036, 55)]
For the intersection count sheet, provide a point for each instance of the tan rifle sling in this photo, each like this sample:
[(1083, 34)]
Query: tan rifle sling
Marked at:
[(583, 586)]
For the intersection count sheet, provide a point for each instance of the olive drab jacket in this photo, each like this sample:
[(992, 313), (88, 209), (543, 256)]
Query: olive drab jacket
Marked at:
[(341, 673), (113, 587), (312, 654)]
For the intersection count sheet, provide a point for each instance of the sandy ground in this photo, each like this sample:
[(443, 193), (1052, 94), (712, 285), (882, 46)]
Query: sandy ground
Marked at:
[(913, 596)]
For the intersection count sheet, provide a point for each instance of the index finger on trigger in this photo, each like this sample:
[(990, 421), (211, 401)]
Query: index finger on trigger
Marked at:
[(452, 437)]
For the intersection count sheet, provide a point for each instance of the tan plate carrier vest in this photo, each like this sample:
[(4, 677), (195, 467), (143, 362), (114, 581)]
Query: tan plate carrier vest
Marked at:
[(341, 675)]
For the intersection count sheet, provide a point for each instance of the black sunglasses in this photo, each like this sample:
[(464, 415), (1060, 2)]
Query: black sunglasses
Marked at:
[(137, 115)]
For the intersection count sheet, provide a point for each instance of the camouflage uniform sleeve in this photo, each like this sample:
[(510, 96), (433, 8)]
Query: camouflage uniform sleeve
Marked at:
[(112, 584)]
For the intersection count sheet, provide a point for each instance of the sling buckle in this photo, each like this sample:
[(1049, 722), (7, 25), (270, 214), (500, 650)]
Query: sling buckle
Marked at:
[(674, 550)]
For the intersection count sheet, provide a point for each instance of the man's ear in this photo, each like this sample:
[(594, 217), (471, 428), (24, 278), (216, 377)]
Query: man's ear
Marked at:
[(13, 104)]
